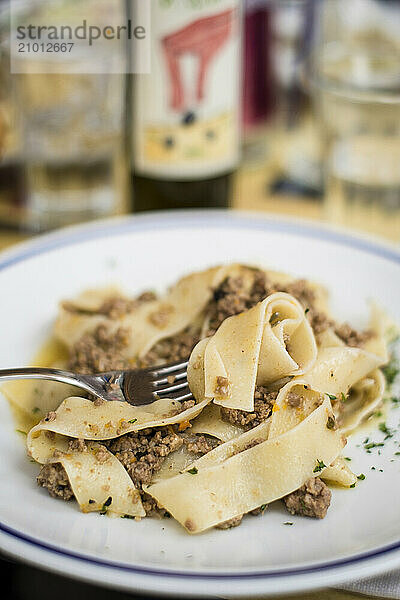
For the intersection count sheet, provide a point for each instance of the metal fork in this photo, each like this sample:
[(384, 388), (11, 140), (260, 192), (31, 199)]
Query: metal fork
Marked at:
[(136, 386)]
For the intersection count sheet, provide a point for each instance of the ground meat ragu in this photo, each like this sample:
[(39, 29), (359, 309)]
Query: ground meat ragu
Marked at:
[(172, 349), (301, 290), (311, 500), (231, 298), (222, 386), (78, 445), (294, 399), (51, 416), (201, 444), (118, 306), (151, 507), (304, 293), (99, 350), (160, 317), (113, 307), (54, 478), (319, 321), (228, 299), (351, 336), (234, 522), (263, 403), (185, 405), (142, 453)]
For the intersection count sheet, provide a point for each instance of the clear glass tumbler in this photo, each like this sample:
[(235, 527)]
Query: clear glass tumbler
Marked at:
[(71, 123), (356, 84)]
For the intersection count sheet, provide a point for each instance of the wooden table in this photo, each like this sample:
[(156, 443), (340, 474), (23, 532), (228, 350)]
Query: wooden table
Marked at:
[(251, 193)]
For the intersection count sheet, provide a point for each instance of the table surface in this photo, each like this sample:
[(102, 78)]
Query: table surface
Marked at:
[(251, 192)]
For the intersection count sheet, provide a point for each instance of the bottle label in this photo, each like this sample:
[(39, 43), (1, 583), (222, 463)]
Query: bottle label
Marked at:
[(186, 111)]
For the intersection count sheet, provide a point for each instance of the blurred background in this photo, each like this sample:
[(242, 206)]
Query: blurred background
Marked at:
[(288, 107), (283, 106)]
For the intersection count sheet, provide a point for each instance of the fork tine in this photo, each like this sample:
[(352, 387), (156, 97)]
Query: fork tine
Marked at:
[(166, 380), (188, 396), (171, 389), (185, 397), (169, 369)]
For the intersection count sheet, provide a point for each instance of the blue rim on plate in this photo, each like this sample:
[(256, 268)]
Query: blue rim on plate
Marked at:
[(197, 219)]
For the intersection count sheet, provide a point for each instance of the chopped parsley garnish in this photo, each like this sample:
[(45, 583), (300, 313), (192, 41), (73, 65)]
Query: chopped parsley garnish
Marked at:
[(373, 445), (106, 505), (263, 507), (331, 423), (361, 476), (132, 421), (383, 427), (378, 413), (397, 453), (20, 431), (343, 397), (127, 517), (353, 485), (319, 466), (193, 471), (391, 370), (373, 468), (288, 523), (347, 458), (331, 397), (306, 311)]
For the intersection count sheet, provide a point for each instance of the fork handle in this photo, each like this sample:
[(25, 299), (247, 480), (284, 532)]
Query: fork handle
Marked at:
[(45, 373)]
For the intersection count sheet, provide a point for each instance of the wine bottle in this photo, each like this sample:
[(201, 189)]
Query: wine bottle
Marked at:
[(186, 112)]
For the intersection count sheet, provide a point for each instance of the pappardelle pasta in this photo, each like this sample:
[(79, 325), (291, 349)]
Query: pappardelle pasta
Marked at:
[(277, 384)]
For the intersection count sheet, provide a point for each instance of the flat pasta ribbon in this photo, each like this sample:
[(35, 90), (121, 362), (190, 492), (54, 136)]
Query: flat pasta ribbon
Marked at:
[(98, 479), (270, 341), (149, 322), (80, 418), (339, 367), (365, 397), (258, 467), (209, 422), (95, 474)]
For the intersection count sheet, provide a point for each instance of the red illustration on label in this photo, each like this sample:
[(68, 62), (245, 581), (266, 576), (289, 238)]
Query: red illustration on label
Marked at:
[(203, 38)]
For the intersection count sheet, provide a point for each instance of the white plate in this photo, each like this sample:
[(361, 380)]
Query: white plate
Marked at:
[(361, 534)]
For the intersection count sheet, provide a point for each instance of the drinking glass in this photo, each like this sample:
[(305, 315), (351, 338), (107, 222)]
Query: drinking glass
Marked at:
[(355, 75), (71, 122)]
